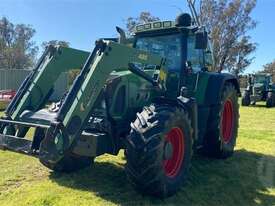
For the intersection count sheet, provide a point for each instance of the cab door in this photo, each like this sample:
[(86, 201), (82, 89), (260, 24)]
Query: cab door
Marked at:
[(195, 65)]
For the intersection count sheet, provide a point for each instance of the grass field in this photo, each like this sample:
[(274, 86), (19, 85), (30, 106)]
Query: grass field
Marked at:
[(248, 178)]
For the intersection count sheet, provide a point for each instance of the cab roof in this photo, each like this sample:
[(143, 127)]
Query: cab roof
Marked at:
[(155, 26), (183, 21)]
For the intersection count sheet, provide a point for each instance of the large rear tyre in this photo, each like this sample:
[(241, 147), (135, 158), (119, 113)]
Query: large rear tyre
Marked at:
[(246, 99), (220, 138), (270, 100), (159, 150)]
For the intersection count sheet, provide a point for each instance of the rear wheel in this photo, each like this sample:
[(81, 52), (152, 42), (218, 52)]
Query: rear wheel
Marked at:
[(220, 138), (270, 100), (159, 150), (246, 99)]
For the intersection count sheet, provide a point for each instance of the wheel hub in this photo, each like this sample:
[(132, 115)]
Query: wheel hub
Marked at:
[(173, 152), (227, 121), (168, 151)]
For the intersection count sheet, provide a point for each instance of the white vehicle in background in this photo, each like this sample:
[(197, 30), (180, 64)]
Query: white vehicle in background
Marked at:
[(5, 97)]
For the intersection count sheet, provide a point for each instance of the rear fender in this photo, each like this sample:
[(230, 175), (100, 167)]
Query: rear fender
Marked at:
[(210, 99), (215, 87)]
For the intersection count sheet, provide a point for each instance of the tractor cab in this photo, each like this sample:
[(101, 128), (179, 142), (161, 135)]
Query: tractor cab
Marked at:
[(183, 45), (262, 79)]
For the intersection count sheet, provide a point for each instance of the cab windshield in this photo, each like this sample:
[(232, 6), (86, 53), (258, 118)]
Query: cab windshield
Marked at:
[(259, 79), (165, 46)]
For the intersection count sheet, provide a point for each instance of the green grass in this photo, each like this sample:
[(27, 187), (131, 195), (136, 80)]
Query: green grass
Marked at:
[(248, 178)]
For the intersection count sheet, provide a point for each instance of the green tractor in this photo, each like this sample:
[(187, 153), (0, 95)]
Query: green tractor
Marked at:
[(260, 88), (151, 95)]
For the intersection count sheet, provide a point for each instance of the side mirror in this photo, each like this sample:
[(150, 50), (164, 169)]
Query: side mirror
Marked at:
[(201, 40)]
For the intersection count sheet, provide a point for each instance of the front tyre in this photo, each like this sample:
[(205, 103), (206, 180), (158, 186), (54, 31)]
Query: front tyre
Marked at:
[(246, 98), (159, 150)]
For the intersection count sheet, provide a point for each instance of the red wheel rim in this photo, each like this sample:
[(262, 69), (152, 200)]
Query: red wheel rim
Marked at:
[(227, 121), (172, 166)]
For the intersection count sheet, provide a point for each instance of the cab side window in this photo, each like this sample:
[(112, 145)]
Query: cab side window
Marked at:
[(168, 46), (209, 58), (194, 56)]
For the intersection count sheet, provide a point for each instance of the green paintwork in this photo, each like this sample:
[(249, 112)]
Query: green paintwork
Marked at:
[(139, 93), (200, 91), (99, 72)]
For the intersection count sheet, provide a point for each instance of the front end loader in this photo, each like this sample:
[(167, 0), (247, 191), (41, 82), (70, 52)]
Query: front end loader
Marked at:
[(56, 132), (152, 95)]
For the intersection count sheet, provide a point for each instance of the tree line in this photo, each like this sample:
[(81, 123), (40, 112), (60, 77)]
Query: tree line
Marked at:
[(17, 49), (227, 21)]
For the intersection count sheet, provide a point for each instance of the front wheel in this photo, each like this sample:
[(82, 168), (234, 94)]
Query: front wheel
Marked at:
[(246, 99), (159, 150)]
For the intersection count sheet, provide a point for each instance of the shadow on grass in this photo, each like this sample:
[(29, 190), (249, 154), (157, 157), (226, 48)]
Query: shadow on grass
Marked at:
[(258, 105), (261, 104), (255, 106), (235, 181)]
